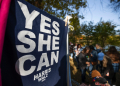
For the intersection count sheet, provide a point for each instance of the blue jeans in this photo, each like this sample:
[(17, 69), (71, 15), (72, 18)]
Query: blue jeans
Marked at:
[(90, 68), (100, 66), (77, 60), (75, 55), (83, 73), (115, 67), (109, 81)]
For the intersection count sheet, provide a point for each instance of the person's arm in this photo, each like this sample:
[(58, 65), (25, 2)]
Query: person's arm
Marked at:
[(88, 63), (108, 72)]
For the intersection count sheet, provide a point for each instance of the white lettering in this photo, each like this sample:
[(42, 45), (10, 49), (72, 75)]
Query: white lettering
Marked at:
[(29, 17), (55, 25), (36, 76), (20, 65), (53, 57), (23, 39), (54, 42), (41, 63), (43, 24), (42, 42)]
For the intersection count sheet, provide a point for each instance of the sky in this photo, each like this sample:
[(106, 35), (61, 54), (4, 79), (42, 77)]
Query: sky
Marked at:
[(97, 10)]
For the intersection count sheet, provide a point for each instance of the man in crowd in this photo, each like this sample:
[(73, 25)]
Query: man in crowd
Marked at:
[(98, 48), (100, 57)]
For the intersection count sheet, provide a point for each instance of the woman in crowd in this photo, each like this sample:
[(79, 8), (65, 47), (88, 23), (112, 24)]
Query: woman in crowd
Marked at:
[(78, 50), (114, 56), (93, 57), (77, 53), (108, 71), (83, 62)]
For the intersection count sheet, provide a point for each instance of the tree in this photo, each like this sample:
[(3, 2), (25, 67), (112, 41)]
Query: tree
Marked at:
[(60, 8), (103, 30), (87, 31), (74, 32), (113, 40), (115, 5)]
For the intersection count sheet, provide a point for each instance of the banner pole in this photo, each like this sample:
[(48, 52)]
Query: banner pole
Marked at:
[(67, 61), (68, 64)]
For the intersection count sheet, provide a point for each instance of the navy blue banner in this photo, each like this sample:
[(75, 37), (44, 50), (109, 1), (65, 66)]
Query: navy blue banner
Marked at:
[(34, 52)]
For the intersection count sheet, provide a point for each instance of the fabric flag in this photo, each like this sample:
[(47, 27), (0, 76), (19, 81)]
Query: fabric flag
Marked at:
[(4, 9), (34, 51)]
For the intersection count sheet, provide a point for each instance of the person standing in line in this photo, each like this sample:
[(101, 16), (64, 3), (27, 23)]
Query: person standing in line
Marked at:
[(108, 71), (100, 58), (75, 48), (98, 48), (78, 50), (83, 62), (93, 57), (114, 56)]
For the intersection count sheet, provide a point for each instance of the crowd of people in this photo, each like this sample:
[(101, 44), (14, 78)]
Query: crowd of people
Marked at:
[(100, 66)]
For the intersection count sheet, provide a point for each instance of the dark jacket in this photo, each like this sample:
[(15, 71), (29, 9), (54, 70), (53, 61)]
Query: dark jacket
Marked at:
[(109, 69), (82, 60), (98, 50), (71, 49), (95, 56)]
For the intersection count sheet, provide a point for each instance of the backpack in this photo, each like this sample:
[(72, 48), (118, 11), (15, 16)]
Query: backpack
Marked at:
[(100, 56)]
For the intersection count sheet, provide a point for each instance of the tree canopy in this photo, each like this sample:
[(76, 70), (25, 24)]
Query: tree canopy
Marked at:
[(103, 33), (115, 4), (103, 30), (60, 8), (87, 30)]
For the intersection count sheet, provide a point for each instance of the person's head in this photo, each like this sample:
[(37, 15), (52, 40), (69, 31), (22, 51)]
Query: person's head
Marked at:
[(112, 49), (97, 46), (75, 44), (113, 53), (86, 50), (78, 46), (95, 73), (91, 47), (69, 43), (98, 80)]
